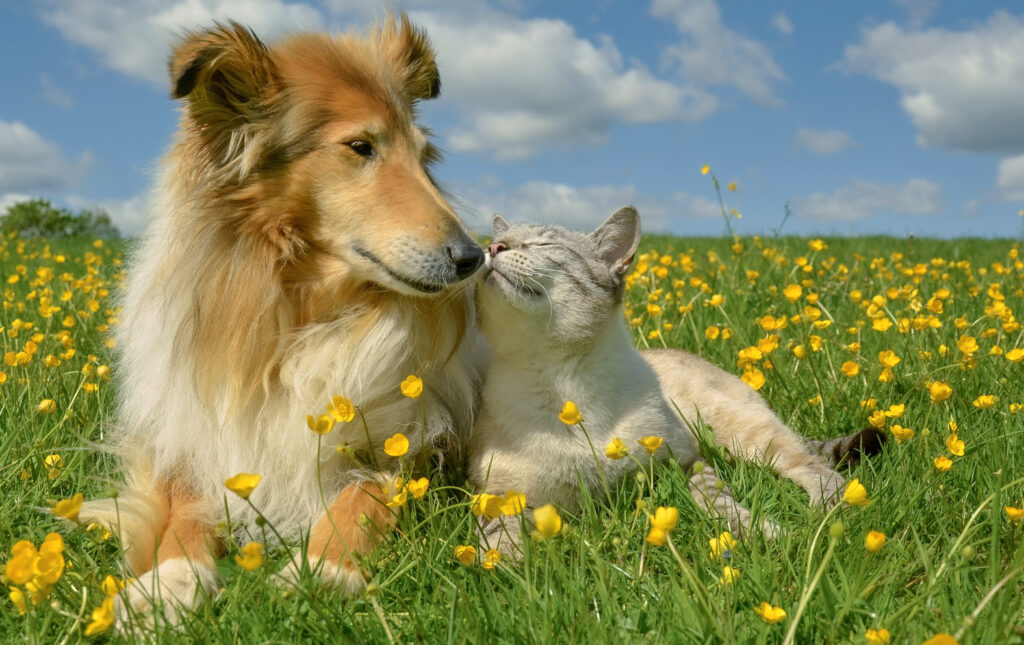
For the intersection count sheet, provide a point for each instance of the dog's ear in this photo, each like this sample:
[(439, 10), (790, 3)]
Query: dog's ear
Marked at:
[(499, 225), (618, 238), (412, 54), (224, 75)]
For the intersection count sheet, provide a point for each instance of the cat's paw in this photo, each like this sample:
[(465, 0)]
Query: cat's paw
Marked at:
[(829, 490), (345, 575), (168, 592), (503, 534)]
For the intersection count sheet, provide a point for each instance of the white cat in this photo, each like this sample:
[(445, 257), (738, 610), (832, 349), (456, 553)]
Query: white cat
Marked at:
[(550, 305)]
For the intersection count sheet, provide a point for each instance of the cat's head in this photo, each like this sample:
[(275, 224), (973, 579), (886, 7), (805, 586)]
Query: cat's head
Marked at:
[(554, 282)]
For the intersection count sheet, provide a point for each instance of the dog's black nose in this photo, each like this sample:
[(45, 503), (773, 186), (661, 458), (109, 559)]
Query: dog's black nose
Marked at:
[(467, 257)]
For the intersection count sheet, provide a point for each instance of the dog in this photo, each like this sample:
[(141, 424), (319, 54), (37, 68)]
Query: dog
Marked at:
[(299, 249)]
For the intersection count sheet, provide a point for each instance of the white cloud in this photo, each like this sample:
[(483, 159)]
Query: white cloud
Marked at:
[(712, 54), (781, 23), (134, 36), (866, 199), (54, 94), (29, 163), (10, 199), (961, 89), (1010, 179), (524, 84), (918, 11), (823, 142)]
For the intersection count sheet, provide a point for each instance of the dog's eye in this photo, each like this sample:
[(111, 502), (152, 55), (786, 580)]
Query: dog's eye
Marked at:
[(361, 147)]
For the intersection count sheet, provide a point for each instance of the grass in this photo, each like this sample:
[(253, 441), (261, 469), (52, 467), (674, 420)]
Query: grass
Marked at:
[(952, 561)]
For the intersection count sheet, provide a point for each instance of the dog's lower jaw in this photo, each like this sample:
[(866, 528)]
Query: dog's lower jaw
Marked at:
[(167, 593)]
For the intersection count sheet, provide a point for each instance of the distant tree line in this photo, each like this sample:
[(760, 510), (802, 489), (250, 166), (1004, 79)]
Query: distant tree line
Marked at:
[(40, 218)]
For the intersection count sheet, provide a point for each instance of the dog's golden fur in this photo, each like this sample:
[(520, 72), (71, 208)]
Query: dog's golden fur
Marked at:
[(299, 249)]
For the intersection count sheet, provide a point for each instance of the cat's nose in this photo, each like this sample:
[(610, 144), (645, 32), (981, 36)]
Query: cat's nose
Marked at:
[(495, 248)]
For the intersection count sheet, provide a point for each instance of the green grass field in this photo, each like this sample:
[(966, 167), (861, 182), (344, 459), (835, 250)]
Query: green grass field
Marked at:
[(823, 315)]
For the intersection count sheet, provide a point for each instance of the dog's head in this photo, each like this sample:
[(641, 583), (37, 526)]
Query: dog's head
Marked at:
[(308, 150)]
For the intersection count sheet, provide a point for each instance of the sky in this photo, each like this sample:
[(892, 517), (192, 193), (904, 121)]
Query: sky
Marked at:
[(893, 117)]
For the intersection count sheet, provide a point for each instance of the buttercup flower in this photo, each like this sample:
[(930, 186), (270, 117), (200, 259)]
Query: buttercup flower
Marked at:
[(855, 494), (341, 409), (850, 368), (874, 541), (900, 433), (68, 508), (729, 575), (943, 463), (942, 638), (487, 505), (722, 545), (396, 445), (548, 521), (46, 406), (243, 484), (1013, 514), (939, 391), (320, 425), (986, 401), (665, 518), (955, 445), (657, 537), (102, 618), (412, 386), (570, 414), (650, 444), (491, 559), (877, 636), (513, 503), (418, 487), (770, 614), (251, 556), (616, 449)]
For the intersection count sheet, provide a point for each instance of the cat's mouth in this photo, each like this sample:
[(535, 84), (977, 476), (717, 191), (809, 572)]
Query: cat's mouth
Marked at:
[(505, 283)]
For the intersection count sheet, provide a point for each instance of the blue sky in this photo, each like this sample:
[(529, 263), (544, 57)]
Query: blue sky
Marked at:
[(887, 116)]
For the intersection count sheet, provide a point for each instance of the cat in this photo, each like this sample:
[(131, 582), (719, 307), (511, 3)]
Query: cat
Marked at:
[(550, 305)]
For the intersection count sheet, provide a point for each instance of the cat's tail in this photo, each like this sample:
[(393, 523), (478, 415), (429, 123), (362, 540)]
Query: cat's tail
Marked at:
[(849, 449)]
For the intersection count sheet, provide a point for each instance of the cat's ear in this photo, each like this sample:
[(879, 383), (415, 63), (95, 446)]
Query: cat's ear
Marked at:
[(618, 238), (499, 225)]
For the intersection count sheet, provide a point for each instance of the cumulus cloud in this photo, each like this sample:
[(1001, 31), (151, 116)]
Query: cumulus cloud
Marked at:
[(134, 36), (918, 11), (130, 216), (822, 142), (1010, 178), (29, 163), (712, 54), (781, 23), (961, 89), (866, 199), (523, 84)]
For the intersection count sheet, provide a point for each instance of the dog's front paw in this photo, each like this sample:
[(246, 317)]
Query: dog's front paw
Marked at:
[(345, 575), (175, 587)]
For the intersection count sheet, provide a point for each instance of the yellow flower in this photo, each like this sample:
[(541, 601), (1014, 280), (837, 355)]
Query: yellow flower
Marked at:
[(877, 636), (731, 186), (753, 377), (943, 463), (487, 505), (1013, 514), (418, 487), (712, 332), (102, 618), (242, 484), (615, 449), (17, 597), (729, 575), (320, 425), (397, 445), (877, 419), (570, 414), (986, 401), (900, 433), (513, 503), (650, 444), (412, 386), (665, 518), (341, 409), (888, 358), (874, 541), (769, 613), (401, 495), (855, 494), (792, 292), (895, 411), (705, 169), (491, 559), (466, 554), (1015, 355), (850, 368), (46, 406), (955, 445), (942, 638), (967, 344), (112, 585), (548, 521), (939, 391), (251, 556), (722, 545), (68, 508), (657, 537)]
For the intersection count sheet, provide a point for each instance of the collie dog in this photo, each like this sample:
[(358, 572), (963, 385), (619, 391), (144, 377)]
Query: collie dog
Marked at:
[(299, 249)]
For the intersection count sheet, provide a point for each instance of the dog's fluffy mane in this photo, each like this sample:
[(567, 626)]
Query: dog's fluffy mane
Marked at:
[(238, 322)]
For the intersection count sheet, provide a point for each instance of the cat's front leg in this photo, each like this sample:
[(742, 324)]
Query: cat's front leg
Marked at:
[(717, 499), (504, 533)]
